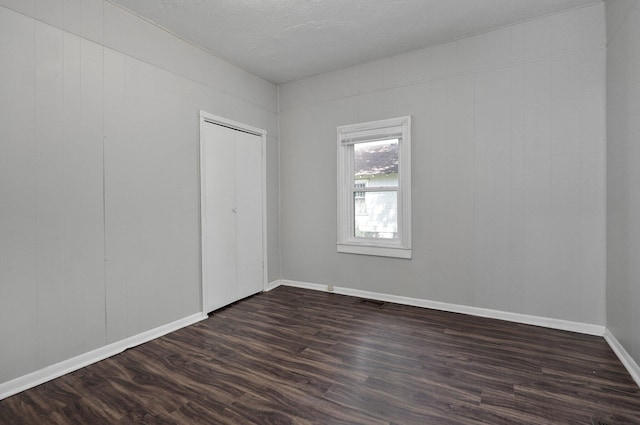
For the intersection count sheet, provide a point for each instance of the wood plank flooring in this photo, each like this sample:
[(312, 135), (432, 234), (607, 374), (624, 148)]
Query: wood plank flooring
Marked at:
[(293, 356)]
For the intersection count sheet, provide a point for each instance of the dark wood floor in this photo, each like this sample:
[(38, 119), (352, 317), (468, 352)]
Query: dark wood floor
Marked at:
[(293, 356)]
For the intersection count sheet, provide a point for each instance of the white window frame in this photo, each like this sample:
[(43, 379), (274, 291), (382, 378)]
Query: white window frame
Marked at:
[(348, 136)]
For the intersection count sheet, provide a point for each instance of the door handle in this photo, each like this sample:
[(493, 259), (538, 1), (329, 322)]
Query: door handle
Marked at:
[(235, 210)]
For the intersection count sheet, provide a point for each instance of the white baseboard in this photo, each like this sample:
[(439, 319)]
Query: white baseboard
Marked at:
[(584, 328), (272, 285), (623, 355), (546, 322), (48, 373)]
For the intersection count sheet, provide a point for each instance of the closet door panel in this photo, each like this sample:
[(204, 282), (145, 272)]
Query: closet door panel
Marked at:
[(220, 231), (248, 180)]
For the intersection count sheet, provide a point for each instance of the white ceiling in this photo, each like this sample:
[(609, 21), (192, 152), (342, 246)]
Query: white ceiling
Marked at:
[(285, 40)]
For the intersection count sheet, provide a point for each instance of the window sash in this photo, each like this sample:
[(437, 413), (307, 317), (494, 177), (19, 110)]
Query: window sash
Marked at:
[(375, 189), (378, 231), (351, 238), (374, 135)]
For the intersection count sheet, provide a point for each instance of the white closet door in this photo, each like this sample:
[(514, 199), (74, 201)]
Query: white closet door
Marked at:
[(249, 213), (232, 215), (218, 232)]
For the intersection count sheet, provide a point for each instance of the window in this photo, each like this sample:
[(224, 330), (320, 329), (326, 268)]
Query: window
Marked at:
[(374, 188)]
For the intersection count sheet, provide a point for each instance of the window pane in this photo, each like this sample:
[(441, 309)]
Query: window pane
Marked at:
[(376, 214), (376, 163)]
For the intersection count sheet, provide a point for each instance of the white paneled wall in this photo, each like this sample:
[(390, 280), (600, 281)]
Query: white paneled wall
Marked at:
[(530, 41), (99, 183), (623, 176), (52, 213), (508, 173), (18, 233)]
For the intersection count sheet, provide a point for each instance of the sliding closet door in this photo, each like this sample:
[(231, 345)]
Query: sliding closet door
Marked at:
[(232, 216)]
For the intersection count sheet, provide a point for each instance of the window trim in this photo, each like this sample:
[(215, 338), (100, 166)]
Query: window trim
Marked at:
[(349, 135)]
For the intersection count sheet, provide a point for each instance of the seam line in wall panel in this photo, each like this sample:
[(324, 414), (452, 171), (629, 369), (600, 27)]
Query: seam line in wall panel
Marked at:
[(279, 188), (512, 110), (604, 183), (580, 114), (80, 131), (35, 191), (104, 197), (67, 163), (474, 152), (550, 259), (523, 160)]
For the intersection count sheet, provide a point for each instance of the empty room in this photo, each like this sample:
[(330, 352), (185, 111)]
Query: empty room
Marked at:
[(320, 212)]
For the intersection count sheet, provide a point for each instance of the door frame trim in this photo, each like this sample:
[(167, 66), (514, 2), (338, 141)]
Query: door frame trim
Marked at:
[(208, 118)]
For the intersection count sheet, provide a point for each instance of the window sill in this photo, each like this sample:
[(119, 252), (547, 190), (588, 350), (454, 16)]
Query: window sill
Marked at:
[(379, 251)]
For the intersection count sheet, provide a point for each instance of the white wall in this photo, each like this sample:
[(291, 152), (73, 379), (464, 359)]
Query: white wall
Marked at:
[(99, 186), (623, 173), (508, 169)]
